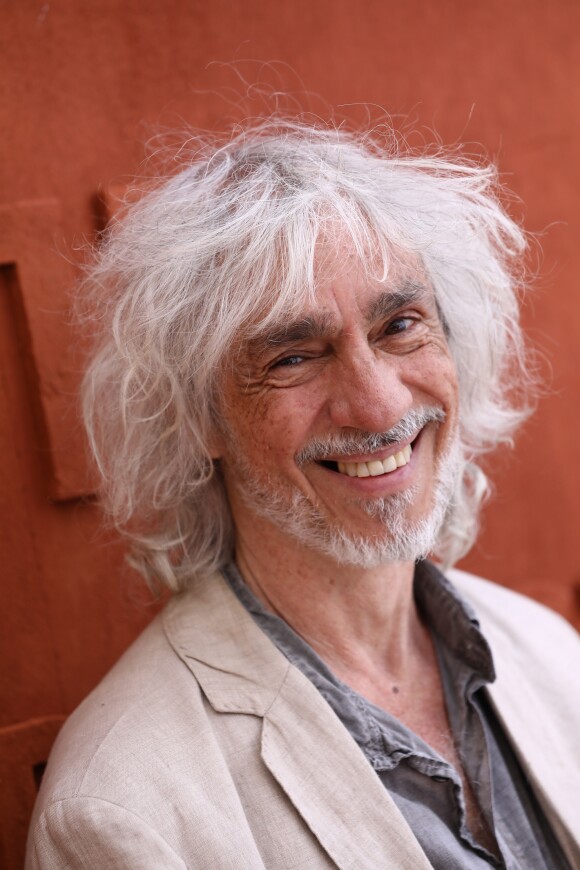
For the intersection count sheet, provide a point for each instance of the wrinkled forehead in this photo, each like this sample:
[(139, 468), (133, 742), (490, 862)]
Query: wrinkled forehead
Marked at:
[(373, 290), (369, 279)]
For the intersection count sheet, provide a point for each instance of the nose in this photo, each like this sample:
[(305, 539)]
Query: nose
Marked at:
[(367, 392)]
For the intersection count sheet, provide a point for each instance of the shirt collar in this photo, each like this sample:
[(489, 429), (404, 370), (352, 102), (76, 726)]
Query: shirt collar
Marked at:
[(452, 619), (445, 611)]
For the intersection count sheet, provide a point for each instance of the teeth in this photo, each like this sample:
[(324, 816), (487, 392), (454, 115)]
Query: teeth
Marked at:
[(376, 467), (389, 464)]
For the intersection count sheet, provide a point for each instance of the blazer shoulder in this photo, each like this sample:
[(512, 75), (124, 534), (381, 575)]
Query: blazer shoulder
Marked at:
[(516, 622), (491, 595), (147, 700)]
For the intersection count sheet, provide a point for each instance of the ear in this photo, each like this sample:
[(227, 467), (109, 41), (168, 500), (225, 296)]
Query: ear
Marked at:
[(215, 444), (215, 453)]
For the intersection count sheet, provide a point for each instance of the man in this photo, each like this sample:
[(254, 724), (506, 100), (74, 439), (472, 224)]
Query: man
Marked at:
[(308, 342)]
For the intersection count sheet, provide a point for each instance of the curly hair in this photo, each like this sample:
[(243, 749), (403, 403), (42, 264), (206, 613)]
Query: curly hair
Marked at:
[(226, 245)]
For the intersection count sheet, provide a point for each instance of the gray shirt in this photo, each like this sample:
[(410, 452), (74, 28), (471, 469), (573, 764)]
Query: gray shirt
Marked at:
[(426, 788)]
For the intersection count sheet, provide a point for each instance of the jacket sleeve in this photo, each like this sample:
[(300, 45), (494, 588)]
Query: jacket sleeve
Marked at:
[(87, 832)]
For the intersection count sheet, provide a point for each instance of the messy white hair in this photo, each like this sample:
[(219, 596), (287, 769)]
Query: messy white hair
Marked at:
[(226, 246)]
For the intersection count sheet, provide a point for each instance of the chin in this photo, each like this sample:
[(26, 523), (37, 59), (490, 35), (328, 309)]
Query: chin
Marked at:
[(398, 534), (395, 537)]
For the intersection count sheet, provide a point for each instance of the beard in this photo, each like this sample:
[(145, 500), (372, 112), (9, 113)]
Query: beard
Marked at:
[(398, 538)]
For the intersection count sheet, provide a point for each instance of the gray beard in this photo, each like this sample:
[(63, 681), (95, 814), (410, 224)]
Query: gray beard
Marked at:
[(400, 540)]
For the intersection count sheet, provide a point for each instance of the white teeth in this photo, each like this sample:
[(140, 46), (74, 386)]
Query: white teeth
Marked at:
[(376, 467), (389, 464)]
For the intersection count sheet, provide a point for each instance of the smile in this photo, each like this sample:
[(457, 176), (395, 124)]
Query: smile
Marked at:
[(376, 467)]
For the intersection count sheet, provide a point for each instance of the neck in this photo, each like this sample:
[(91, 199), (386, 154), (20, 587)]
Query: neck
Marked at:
[(359, 620)]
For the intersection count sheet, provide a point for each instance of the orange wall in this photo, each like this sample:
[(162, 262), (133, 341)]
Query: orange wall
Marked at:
[(85, 83)]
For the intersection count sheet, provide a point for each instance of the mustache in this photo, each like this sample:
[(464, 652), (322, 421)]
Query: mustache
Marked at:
[(369, 442)]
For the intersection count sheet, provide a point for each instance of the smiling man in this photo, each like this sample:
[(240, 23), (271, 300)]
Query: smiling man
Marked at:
[(308, 341), (345, 433)]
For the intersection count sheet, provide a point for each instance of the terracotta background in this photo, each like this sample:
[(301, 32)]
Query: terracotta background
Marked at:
[(83, 85)]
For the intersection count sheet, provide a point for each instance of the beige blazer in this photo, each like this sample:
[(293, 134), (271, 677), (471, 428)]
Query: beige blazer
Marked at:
[(205, 748)]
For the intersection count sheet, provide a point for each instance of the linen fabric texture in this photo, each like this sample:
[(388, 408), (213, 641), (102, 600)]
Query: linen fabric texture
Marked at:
[(426, 788), (201, 748)]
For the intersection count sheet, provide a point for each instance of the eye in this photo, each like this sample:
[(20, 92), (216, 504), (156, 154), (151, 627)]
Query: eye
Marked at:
[(399, 324), (288, 361)]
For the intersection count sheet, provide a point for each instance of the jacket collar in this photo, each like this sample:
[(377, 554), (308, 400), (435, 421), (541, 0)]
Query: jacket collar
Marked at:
[(304, 745)]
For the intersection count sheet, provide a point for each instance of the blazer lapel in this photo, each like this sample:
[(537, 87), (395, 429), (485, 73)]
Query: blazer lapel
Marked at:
[(304, 745), (331, 783)]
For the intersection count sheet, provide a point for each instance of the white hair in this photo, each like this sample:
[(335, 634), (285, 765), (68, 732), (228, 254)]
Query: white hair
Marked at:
[(227, 245)]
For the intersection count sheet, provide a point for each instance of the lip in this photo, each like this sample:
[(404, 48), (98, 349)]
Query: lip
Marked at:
[(379, 454), (385, 483), (381, 486)]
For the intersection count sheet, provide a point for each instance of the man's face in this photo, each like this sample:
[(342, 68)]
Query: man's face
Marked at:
[(340, 426)]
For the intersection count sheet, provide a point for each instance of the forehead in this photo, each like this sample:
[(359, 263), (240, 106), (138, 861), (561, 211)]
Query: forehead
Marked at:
[(345, 290), (344, 285)]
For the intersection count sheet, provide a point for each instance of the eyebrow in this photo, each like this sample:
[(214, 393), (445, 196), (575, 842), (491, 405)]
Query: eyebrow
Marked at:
[(313, 326), (392, 300)]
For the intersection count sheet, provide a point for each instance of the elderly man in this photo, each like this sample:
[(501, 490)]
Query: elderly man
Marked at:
[(308, 341)]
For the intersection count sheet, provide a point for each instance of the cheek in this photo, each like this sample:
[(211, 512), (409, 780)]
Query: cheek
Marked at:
[(269, 430), (433, 373)]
